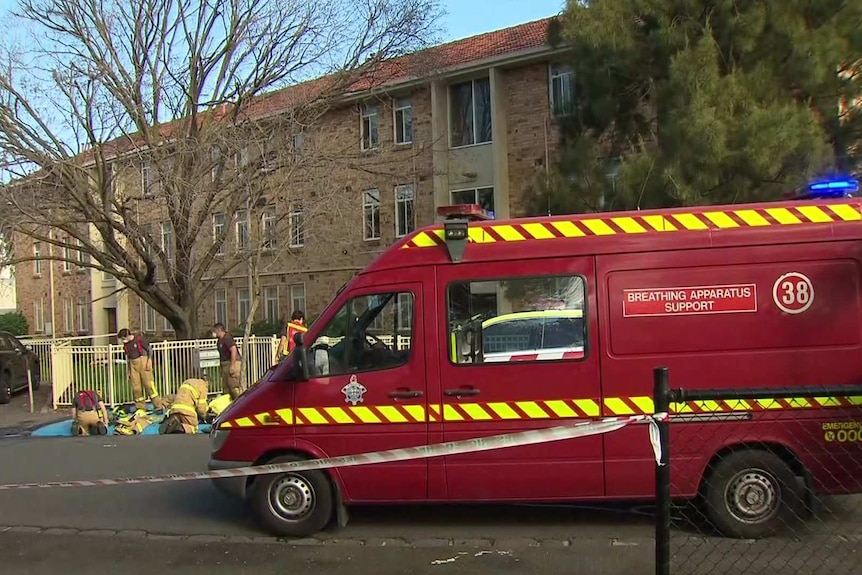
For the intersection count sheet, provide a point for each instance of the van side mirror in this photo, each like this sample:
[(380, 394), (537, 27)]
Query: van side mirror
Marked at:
[(300, 359)]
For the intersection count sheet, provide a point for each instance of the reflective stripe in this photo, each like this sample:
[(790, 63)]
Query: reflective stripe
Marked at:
[(188, 410)]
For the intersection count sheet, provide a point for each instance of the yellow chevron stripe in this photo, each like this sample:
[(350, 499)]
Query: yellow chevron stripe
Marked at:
[(681, 408), (423, 240), (617, 406), (226, 425), (538, 231), (503, 411), (721, 220), (783, 216), (532, 409), (690, 222), (815, 214), (598, 227), (449, 414), (313, 416), (561, 409), (768, 403), (286, 415), (752, 218), (798, 402), (391, 414), (589, 406), (244, 422), (475, 411), (827, 401), (846, 212), (365, 415), (417, 412), (568, 229), (338, 414), (645, 404), (629, 225), (480, 236), (508, 233), (660, 223)]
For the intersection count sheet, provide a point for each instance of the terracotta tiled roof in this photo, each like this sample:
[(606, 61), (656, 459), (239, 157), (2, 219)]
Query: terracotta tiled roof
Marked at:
[(424, 63), (419, 64)]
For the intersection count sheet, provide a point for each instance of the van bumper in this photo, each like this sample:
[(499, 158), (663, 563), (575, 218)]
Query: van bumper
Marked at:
[(233, 486)]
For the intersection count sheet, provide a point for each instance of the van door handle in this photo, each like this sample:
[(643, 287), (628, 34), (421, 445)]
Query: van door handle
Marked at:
[(461, 391), (405, 394)]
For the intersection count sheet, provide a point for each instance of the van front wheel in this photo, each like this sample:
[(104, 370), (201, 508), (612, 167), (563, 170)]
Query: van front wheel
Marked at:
[(752, 494), (292, 504)]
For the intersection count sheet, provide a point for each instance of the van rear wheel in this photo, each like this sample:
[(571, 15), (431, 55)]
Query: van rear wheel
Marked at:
[(752, 494), (292, 504)]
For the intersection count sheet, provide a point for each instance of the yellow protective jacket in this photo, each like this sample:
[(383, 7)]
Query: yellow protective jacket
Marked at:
[(191, 399)]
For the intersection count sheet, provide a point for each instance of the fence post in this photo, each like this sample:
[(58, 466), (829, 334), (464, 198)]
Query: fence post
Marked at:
[(661, 400), (112, 398)]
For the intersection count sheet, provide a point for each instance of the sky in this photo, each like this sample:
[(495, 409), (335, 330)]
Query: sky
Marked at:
[(470, 17)]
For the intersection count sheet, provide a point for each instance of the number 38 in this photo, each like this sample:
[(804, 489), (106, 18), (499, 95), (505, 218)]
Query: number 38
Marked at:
[(795, 292)]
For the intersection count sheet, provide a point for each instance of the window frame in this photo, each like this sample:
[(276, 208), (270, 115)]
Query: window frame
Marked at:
[(450, 107), (82, 312), (242, 320), (267, 230), (398, 203), (37, 259), (39, 316), (293, 298), (365, 206), (586, 318), (398, 105), (68, 257), (296, 226), (243, 241), (147, 180), (147, 313), (560, 76), (363, 116), (267, 300), (167, 228), (217, 302), (475, 195), (222, 249), (348, 303), (69, 314)]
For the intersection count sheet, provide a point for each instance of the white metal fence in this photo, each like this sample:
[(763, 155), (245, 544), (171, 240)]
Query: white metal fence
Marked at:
[(71, 366)]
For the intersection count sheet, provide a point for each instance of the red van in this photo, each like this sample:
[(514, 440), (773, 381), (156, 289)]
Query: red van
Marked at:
[(724, 296)]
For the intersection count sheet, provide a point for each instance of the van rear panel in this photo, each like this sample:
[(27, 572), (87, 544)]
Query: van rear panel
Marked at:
[(751, 317)]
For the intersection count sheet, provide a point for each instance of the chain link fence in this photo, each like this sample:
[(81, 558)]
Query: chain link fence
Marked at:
[(761, 481)]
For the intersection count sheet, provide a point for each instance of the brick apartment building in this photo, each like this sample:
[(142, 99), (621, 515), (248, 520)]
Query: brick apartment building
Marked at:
[(480, 129)]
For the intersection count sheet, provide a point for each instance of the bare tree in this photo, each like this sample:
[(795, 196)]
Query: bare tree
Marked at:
[(124, 115)]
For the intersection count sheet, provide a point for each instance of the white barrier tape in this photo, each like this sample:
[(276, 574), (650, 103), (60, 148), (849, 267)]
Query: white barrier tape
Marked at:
[(581, 429)]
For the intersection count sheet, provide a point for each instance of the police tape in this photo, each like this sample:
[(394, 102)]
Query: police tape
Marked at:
[(519, 439)]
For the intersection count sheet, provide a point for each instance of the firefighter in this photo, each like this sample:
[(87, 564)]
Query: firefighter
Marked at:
[(294, 326), (140, 365), (89, 414), (189, 406), (230, 361)]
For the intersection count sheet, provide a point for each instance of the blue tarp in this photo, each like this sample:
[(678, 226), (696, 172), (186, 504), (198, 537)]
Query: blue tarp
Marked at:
[(64, 429)]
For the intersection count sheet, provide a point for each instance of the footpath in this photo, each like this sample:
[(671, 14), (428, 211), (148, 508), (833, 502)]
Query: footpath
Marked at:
[(15, 416)]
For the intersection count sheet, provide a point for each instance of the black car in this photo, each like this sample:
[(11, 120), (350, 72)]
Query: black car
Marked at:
[(15, 359)]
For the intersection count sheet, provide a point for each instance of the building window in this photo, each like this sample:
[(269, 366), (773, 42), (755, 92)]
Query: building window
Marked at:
[(482, 196), (242, 238), (68, 256), (166, 325), (69, 314), (83, 315), (297, 227), (83, 256), (37, 258), (522, 319), (269, 237), (147, 238), (470, 112), (220, 296), (403, 110), (146, 180), (371, 214), (243, 304), (219, 224), (370, 127), (404, 312), (297, 297), (148, 317), (168, 240), (405, 210), (106, 276), (215, 157), (39, 314), (270, 302), (562, 89)]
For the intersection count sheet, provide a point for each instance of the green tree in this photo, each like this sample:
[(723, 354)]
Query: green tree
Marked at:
[(14, 323), (690, 102)]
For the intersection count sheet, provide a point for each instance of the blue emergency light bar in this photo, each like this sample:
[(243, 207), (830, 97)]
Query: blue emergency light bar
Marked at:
[(825, 189)]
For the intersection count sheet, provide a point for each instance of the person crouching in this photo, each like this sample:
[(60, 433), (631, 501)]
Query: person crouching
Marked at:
[(189, 406)]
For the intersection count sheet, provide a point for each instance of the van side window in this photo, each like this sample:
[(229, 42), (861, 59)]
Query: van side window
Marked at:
[(369, 333), (517, 319)]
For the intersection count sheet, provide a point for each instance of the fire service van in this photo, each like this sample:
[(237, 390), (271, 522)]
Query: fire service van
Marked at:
[(477, 327)]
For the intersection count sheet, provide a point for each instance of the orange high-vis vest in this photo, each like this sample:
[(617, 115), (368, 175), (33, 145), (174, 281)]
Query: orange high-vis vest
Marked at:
[(292, 329)]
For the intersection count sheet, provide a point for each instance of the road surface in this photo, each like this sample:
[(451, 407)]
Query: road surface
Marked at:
[(193, 520)]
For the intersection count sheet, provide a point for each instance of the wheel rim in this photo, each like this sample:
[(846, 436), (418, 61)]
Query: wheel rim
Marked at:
[(291, 497), (752, 496)]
